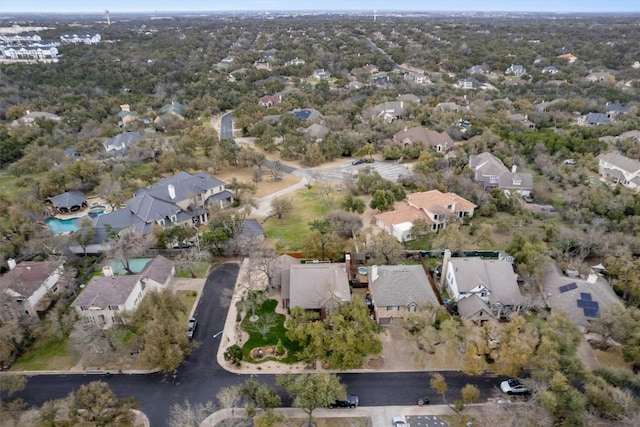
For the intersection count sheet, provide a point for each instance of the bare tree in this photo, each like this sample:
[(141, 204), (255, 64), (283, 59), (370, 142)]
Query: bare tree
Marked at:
[(126, 245), (189, 415)]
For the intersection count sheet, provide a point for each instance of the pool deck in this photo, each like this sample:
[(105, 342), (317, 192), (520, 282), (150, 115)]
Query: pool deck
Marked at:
[(92, 203)]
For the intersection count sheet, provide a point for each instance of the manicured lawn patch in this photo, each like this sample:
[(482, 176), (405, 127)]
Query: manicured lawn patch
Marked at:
[(188, 298), (309, 204), (51, 355), (276, 333), (200, 270)]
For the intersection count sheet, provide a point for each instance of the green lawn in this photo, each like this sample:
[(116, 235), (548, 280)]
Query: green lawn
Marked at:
[(309, 204), (278, 332), (200, 270), (188, 298), (51, 355)]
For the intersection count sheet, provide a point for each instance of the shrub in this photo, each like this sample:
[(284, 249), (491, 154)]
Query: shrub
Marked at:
[(233, 354)]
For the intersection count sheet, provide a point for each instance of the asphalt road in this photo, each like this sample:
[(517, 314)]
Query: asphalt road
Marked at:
[(199, 379)]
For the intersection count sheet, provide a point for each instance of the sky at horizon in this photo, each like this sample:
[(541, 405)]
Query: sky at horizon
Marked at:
[(122, 6)]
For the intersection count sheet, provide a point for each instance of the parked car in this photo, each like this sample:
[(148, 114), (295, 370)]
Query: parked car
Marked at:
[(357, 162), (192, 324), (351, 401), (513, 386), (400, 421), (527, 198)]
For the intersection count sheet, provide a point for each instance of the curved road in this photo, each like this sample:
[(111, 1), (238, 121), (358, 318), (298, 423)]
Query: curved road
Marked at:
[(200, 378)]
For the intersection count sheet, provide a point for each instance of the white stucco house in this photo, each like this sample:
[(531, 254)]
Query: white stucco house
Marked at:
[(29, 282), (105, 298)]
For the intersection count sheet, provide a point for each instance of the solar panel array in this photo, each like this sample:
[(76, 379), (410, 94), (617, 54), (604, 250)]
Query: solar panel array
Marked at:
[(568, 287), (588, 306)]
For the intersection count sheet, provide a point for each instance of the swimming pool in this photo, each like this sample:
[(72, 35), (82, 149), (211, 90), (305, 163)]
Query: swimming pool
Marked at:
[(60, 226), (136, 265)]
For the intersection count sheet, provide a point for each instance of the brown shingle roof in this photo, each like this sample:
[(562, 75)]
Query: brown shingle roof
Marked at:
[(26, 277), (103, 291)]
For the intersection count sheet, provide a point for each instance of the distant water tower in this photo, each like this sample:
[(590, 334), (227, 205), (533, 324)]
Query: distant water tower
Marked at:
[(374, 16), (106, 12)]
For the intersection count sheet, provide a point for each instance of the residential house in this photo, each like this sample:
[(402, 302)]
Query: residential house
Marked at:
[(397, 290), (441, 142), (279, 270), (437, 209), (269, 100), (516, 70), (409, 97), (468, 83), (600, 77), (182, 199), (69, 201), (449, 106), (417, 78), (28, 283), (119, 144), (105, 298), (615, 109), (619, 169), (568, 57), (170, 112), (389, 111), (31, 117), (523, 119), (492, 173), (367, 69), (594, 119), (80, 39), (126, 116), (381, 81), (478, 69), (310, 114), (491, 285), (321, 74), (320, 287), (317, 132), (550, 69), (355, 85), (295, 62)]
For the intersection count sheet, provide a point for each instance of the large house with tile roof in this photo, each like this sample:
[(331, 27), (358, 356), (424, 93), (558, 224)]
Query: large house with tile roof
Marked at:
[(437, 209), (492, 173), (105, 298), (483, 289), (397, 290), (181, 199), (619, 169), (28, 283)]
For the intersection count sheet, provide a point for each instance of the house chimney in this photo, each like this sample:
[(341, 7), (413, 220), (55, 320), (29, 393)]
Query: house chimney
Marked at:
[(347, 264), (401, 104), (514, 168), (107, 271), (172, 191), (405, 128), (445, 266), (28, 112), (374, 273), (12, 263)]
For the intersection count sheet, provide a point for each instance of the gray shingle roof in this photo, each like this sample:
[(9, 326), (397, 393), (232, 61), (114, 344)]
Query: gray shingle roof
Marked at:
[(68, 199), (314, 286), (122, 142), (400, 285), (497, 276), (622, 162), (103, 291), (158, 269), (486, 165)]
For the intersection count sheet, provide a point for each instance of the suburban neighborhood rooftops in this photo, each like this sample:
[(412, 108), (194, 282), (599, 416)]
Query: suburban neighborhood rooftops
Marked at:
[(315, 286), (68, 199), (498, 276), (400, 285), (26, 277)]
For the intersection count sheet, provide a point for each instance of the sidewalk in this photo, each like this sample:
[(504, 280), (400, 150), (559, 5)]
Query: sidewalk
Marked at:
[(380, 416)]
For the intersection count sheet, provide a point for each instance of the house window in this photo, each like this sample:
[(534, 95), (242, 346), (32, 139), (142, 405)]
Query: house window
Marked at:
[(392, 308), (412, 308), (517, 182), (83, 308), (113, 308), (484, 294), (54, 289)]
